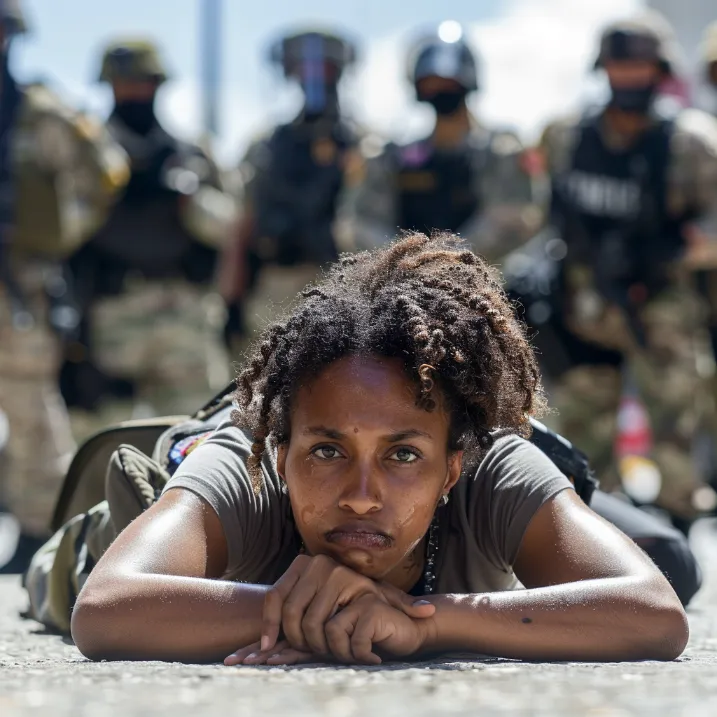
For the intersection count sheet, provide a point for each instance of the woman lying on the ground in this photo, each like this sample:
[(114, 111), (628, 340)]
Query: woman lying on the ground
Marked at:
[(386, 505)]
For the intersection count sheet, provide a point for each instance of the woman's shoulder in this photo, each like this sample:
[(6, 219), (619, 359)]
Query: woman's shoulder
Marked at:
[(256, 523), (513, 461), (217, 471), (498, 499)]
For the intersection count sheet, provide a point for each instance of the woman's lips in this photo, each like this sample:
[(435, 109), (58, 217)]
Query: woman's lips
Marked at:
[(359, 537)]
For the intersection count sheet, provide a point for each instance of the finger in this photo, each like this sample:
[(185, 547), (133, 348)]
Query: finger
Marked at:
[(290, 656), (274, 605), (324, 606), (362, 642), (343, 587), (237, 657), (338, 632), (407, 604), (259, 657), (294, 610)]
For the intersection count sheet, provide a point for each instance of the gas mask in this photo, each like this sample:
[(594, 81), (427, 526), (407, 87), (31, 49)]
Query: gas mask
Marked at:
[(637, 100), (138, 115), (446, 103)]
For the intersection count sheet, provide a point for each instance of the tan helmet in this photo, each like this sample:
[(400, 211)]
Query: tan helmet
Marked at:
[(709, 45), (132, 59), (12, 17), (647, 36)]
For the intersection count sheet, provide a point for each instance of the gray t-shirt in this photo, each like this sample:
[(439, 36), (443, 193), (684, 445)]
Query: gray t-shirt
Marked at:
[(479, 535)]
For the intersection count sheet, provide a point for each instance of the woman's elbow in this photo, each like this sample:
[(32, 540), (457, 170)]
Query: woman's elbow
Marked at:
[(664, 624), (674, 633), (91, 627)]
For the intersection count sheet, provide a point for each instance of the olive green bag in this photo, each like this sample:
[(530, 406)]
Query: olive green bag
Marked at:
[(115, 476)]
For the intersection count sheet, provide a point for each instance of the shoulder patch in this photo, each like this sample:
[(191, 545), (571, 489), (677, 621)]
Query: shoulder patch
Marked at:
[(180, 450), (414, 154)]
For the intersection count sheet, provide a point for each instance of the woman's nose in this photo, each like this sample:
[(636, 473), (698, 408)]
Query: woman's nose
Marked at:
[(363, 490)]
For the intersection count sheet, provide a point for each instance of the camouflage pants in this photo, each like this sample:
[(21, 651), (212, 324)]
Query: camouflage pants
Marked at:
[(164, 337), (672, 372), (275, 289), (40, 444)]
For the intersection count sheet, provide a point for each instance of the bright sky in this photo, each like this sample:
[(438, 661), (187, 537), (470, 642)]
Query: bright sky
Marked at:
[(536, 56)]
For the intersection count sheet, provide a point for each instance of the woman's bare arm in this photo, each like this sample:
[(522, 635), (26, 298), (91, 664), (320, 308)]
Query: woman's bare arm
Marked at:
[(152, 596), (592, 595)]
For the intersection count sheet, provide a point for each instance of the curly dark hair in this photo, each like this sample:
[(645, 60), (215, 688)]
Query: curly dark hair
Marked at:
[(428, 301)]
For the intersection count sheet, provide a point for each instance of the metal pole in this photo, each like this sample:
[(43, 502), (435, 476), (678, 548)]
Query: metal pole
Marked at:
[(210, 63)]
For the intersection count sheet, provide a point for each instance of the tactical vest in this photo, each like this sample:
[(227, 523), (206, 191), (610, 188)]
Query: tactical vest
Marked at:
[(59, 204), (435, 190), (296, 191), (145, 232), (611, 206)]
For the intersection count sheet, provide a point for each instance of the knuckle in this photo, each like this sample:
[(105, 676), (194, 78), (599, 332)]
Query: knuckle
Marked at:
[(310, 624), (292, 611), (323, 561), (333, 628)]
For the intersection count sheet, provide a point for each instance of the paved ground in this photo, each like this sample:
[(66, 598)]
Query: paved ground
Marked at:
[(43, 675)]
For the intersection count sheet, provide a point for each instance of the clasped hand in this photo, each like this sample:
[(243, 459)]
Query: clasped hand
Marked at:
[(327, 611)]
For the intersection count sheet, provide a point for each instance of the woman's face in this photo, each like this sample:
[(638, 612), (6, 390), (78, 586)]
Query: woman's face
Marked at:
[(365, 467)]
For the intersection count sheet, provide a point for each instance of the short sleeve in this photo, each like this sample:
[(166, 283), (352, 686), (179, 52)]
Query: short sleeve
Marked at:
[(255, 526), (514, 480)]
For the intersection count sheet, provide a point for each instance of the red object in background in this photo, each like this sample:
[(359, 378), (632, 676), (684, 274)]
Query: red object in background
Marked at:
[(634, 434), (678, 88), (532, 162)]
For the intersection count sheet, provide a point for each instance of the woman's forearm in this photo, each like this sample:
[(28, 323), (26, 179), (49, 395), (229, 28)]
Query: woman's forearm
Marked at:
[(161, 617), (604, 620)]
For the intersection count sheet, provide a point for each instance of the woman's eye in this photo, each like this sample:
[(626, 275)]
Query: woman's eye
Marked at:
[(404, 455), (326, 452)]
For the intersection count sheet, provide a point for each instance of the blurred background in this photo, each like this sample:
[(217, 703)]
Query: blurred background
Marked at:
[(139, 255), (519, 41)]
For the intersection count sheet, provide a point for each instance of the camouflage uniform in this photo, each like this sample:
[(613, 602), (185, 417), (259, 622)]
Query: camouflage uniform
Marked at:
[(64, 171), (671, 365), (709, 57), (482, 187), (509, 211), (159, 326), (290, 179)]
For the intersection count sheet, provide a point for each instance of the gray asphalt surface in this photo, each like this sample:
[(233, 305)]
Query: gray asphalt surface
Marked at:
[(43, 674)]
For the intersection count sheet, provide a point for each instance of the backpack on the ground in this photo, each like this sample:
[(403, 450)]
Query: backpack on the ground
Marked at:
[(121, 471)]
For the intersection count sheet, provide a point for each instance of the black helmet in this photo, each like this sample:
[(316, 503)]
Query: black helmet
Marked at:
[(647, 36), (292, 51), (317, 60), (444, 53)]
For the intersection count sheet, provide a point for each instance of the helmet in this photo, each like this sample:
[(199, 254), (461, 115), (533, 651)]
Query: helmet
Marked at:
[(709, 45), (647, 36), (317, 60), (12, 17), (309, 48), (132, 59), (445, 54)]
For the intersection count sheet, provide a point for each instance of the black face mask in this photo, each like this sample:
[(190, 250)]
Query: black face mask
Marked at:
[(137, 115), (633, 99), (446, 103)]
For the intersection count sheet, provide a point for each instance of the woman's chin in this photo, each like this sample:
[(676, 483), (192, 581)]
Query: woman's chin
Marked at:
[(374, 563)]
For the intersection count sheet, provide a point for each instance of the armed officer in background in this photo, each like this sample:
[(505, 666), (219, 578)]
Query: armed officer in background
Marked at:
[(60, 171), (634, 198), (463, 178), (151, 320), (291, 180), (709, 67)]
